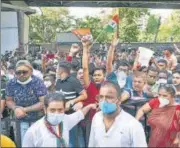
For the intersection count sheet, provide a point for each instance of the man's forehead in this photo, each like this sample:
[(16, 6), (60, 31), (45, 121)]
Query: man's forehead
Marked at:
[(161, 63), (107, 90), (23, 67), (80, 70), (153, 73), (56, 104), (138, 79), (98, 71), (124, 67), (176, 74)]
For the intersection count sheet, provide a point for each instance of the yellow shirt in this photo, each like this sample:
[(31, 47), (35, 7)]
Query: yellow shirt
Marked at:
[(7, 142)]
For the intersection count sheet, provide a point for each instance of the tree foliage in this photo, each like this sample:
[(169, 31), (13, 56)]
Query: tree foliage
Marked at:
[(96, 25), (152, 24), (43, 28), (170, 29), (130, 23)]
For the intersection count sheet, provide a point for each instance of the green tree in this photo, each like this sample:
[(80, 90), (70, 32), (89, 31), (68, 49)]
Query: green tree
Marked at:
[(43, 27), (129, 23), (152, 24), (170, 28), (152, 27), (96, 25)]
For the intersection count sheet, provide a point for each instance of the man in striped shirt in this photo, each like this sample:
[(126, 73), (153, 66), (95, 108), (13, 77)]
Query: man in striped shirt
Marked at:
[(69, 86)]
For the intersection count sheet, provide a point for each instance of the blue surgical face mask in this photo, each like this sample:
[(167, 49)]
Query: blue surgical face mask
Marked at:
[(107, 108), (54, 118)]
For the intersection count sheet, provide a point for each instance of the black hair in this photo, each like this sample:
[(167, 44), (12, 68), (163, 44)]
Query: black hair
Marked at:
[(65, 66), (122, 63), (162, 61), (164, 71), (11, 66), (53, 76), (176, 71), (35, 66), (170, 49), (75, 65), (53, 97), (152, 69), (114, 85), (169, 88), (178, 67), (142, 68), (91, 68), (103, 69)]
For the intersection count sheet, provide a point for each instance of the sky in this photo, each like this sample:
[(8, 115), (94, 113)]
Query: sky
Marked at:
[(80, 12)]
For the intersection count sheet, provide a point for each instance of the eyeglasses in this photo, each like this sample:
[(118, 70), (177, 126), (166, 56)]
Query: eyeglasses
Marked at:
[(21, 72)]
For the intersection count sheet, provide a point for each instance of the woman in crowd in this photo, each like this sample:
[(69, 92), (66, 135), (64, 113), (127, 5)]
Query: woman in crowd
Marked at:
[(164, 118)]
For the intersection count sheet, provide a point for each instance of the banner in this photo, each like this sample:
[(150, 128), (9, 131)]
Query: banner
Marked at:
[(145, 55)]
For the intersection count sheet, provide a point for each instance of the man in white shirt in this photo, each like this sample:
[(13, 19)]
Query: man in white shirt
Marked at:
[(113, 127), (53, 129)]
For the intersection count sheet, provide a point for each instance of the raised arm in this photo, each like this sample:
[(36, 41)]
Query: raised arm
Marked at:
[(85, 63), (110, 56), (73, 51)]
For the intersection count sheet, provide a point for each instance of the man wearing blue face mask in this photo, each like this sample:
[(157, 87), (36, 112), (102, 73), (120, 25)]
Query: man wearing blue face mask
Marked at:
[(113, 127), (53, 129)]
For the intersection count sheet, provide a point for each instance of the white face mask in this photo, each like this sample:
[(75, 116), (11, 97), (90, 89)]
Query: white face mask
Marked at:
[(162, 81), (121, 78), (54, 118), (25, 82), (47, 83), (163, 102)]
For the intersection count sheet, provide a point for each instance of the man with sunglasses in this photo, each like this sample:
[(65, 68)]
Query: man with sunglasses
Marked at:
[(25, 95)]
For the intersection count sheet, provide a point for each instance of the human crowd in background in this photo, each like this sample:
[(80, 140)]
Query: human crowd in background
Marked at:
[(82, 98)]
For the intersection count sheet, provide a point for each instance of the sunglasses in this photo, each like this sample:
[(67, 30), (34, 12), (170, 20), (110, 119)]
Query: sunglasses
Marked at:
[(21, 72)]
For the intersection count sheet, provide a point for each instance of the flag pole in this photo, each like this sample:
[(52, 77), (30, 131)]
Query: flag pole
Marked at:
[(97, 37), (118, 12)]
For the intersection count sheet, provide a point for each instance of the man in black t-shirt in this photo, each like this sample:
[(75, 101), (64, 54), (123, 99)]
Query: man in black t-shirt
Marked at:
[(69, 86), (74, 93)]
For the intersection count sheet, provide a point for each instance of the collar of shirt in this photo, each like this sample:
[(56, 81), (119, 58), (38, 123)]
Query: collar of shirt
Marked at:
[(64, 79), (135, 94)]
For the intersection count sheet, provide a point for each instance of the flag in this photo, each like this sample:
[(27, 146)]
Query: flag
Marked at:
[(83, 33), (112, 24)]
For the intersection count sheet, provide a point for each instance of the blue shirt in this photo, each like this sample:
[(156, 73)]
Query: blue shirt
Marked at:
[(113, 78), (133, 93), (26, 95)]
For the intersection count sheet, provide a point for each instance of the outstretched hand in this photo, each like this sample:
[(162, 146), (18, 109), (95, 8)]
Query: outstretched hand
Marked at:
[(85, 41), (74, 48)]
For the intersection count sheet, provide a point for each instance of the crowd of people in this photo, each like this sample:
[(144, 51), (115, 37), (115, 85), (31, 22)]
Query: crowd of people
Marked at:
[(82, 99)]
